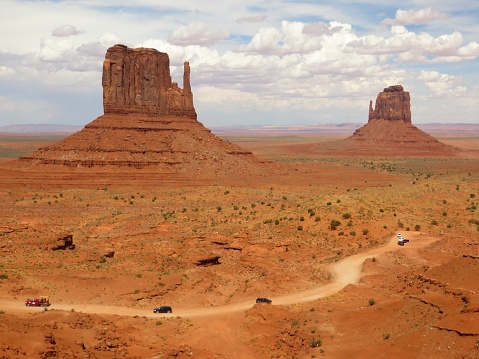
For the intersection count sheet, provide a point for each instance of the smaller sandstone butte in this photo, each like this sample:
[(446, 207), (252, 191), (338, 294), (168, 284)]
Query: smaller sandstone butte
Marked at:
[(393, 104), (149, 122), (390, 129)]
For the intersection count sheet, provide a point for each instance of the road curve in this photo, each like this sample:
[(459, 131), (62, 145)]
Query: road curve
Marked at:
[(347, 271)]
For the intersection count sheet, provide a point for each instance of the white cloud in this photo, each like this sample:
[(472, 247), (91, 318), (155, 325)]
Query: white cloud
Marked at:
[(251, 19), (65, 31), (442, 85), (409, 17), (415, 47), (197, 34)]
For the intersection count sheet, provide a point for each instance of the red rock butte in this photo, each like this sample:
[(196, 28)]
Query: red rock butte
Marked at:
[(390, 127), (148, 122)]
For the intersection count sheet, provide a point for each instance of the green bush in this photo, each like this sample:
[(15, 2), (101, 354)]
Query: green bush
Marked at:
[(346, 215), (371, 301), (365, 231), (334, 224)]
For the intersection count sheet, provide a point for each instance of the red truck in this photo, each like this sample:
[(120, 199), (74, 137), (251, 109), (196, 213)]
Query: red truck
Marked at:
[(42, 301)]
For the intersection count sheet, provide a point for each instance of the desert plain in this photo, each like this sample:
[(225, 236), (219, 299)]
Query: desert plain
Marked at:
[(315, 233)]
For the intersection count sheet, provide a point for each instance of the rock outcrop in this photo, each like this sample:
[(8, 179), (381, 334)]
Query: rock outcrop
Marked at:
[(390, 129), (139, 81), (393, 104), (148, 122)]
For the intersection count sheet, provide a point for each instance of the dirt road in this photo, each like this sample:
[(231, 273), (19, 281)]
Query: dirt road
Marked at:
[(346, 271)]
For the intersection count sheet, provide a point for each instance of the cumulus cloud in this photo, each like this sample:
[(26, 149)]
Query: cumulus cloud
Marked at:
[(251, 19), (197, 34), (409, 17), (442, 84), (66, 31), (413, 47)]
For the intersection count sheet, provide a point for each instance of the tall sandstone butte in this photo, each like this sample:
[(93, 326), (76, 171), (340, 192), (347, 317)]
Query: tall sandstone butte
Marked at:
[(148, 122), (139, 81), (393, 104)]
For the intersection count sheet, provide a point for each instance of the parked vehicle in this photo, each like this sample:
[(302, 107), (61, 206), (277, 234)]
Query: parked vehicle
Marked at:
[(264, 300), (163, 309), (43, 301)]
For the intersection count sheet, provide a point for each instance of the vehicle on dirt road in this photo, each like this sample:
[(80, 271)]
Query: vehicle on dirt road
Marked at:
[(402, 240), (163, 309), (43, 301), (264, 300)]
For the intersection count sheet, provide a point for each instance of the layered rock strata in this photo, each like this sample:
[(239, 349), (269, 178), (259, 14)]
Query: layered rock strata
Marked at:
[(393, 104), (139, 81), (148, 121)]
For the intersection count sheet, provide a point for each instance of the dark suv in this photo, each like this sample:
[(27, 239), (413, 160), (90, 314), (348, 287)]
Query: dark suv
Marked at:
[(163, 309), (264, 300)]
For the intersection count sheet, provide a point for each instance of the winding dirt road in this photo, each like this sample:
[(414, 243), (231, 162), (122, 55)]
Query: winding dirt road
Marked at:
[(346, 271)]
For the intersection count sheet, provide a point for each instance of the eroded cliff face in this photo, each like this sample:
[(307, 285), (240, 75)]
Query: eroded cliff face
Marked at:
[(393, 104), (139, 81)]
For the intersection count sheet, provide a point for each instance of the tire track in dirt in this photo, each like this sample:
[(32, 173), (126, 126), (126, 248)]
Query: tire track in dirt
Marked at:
[(345, 272)]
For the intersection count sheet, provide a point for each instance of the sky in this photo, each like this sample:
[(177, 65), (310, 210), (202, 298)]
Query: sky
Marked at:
[(253, 62)]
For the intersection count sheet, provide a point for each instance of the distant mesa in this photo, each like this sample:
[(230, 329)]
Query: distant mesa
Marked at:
[(148, 121), (390, 127)]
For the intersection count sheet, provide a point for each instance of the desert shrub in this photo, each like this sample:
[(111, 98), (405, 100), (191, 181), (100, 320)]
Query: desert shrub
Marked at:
[(381, 210), (159, 322), (400, 224), (444, 214), (328, 204), (253, 205), (473, 221), (334, 224), (346, 215), (365, 231), (434, 222), (4, 276), (371, 301), (312, 213), (352, 233), (317, 219), (218, 208), (417, 227), (300, 228), (301, 218), (472, 195), (276, 221), (285, 198), (387, 336), (316, 342)]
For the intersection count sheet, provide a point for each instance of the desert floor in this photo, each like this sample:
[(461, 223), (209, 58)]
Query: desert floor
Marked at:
[(319, 240)]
